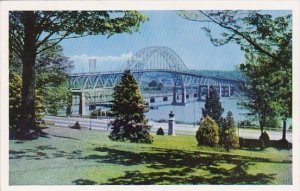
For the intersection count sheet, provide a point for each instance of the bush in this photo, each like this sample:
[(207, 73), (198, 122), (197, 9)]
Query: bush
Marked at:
[(207, 133), (264, 139), (242, 142), (160, 131), (76, 126), (227, 133)]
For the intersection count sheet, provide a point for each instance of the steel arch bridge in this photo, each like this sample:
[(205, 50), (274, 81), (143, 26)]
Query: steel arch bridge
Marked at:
[(97, 87)]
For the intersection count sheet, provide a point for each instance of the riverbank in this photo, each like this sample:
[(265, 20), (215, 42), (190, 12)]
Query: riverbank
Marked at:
[(180, 129)]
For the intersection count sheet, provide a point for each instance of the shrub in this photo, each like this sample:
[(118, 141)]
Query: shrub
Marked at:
[(207, 133), (76, 126), (242, 142), (265, 139), (160, 131), (227, 133)]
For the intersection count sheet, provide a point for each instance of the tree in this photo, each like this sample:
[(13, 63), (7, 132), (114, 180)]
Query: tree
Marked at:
[(129, 108), (30, 31), (52, 80), (52, 69), (212, 106), (227, 132), (207, 134), (267, 38), (15, 85)]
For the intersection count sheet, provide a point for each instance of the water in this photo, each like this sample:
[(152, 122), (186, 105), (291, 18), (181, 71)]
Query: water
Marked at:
[(192, 111)]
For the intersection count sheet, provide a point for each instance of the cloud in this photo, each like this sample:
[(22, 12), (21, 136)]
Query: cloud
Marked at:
[(100, 59), (103, 63)]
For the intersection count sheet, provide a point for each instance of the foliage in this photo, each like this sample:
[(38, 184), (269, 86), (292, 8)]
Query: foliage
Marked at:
[(265, 139), (267, 43), (156, 85), (160, 131), (207, 134), (15, 84), (213, 107), (52, 69), (30, 34), (76, 126), (227, 133), (129, 108)]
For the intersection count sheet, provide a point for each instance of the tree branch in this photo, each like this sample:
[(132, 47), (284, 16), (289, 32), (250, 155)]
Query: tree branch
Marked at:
[(54, 44), (248, 39)]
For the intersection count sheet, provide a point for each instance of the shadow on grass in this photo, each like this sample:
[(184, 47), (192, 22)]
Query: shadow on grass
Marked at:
[(44, 152), (84, 182), (256, 145), (169, 166)]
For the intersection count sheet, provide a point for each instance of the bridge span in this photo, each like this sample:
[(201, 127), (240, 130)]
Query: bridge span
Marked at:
[(159, 64)]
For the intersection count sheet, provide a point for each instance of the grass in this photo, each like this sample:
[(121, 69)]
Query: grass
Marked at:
[(67, 156)]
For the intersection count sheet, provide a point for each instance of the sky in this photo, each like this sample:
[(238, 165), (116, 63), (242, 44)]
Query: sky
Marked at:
[(164, 28)]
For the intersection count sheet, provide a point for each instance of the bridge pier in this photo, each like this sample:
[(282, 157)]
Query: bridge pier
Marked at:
[(174, 96), (82, 104), (202, 91), (183, 96), (225, 91), (92, 107), (183, 101)]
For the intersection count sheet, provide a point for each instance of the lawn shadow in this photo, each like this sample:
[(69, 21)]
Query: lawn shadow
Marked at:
[(170, 166), (256, 144), (43, 152), (84, 182)]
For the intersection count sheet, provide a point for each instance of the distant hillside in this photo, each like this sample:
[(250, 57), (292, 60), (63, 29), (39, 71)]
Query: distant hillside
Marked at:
[(231, 75)]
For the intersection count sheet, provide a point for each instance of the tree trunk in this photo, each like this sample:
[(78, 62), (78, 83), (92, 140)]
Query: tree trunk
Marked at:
[(27, 120), (284, 131), (261, 124)]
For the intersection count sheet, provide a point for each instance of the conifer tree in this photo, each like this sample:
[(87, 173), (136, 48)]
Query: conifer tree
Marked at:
[(227, 132), (129, 108), (213, 107)]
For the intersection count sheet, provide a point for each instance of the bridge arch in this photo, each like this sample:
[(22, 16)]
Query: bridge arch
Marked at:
[(156, 58)]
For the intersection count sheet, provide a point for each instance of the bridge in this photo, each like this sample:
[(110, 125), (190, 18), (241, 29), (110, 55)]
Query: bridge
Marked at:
[(159, 64)]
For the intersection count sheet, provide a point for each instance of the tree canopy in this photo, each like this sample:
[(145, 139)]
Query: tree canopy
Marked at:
[(267, 43)]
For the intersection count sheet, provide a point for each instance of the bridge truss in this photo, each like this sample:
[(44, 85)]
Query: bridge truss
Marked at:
[(97, 87)]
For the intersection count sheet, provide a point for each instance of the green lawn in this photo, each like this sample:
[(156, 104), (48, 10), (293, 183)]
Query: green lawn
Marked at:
[(68, 156)]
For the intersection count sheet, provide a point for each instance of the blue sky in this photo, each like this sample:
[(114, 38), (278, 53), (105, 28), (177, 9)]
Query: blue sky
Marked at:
[(165, 28)]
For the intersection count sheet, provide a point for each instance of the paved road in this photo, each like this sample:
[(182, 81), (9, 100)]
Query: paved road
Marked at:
[(180, 129)]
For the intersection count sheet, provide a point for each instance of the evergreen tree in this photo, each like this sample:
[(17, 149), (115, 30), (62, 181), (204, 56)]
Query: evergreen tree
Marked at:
[(227, 132), (129, 108), (213, 107), (207, 134)]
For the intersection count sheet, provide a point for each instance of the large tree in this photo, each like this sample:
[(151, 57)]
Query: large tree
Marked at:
[(30, 31), (129, 108), (52, 69), (268, 39)]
